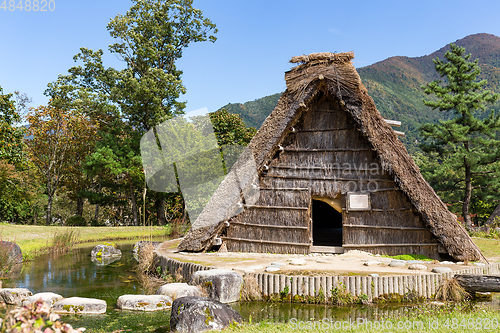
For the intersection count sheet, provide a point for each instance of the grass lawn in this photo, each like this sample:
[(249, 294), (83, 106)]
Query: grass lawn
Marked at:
[(489, 247), (36, 239)]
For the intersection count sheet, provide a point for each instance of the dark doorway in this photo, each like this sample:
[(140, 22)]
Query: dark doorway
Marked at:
[(327, 225)]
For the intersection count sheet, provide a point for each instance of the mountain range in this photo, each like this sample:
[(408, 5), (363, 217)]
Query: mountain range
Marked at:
[(395, 86)]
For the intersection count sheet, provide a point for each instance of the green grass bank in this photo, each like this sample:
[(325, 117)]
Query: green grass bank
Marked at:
[(34, 240)]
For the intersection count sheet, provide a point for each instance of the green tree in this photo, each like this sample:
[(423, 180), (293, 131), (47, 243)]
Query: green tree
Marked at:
[(230, 129), (11, 135), (150, 38), (466, 148), (53, 136), (118, 166)]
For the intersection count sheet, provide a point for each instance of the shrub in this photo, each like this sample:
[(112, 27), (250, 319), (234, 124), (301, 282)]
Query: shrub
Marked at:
[(250, 290), (341, 296), (410, 257), (96, 223), (76, 221), (451, 290), (63, 241)]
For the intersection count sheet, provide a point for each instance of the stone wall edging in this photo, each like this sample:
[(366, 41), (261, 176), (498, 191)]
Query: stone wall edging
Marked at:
[(425, 285)]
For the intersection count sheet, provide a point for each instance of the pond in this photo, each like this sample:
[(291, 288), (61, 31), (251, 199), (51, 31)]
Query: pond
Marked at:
[(74, 274)]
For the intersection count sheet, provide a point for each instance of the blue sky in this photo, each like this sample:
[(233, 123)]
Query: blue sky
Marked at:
[(255, 41)]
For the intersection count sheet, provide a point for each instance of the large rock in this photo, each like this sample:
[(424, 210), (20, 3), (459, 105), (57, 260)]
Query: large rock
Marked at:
[(144, 302), (221, 284), (104, 261), (105, 251), (200, 314), (49, 298), (80, 305), (177, 290), (140, 244), (14, 296), (13, 251)]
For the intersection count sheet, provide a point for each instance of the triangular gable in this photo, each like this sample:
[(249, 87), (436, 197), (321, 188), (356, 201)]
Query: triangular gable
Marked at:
[(335, 75)]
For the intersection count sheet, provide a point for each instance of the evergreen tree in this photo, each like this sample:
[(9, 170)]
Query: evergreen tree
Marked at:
[(465, 149)]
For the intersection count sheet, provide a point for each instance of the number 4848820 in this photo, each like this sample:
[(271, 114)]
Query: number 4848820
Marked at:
[(28, 5)]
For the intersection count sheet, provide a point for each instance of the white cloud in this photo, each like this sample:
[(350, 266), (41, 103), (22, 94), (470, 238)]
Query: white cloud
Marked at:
[(335, 31)]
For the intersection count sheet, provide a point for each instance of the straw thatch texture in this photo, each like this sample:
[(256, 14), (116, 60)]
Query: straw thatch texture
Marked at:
[(328, 84)]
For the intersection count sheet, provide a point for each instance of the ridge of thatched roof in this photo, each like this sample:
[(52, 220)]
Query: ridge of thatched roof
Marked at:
[(335, 75)]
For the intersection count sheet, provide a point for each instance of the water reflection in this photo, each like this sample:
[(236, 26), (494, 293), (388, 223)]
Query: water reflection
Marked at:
[(74, 274), (284, 312)]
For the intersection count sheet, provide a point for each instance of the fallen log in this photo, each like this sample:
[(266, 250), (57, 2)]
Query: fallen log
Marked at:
[(479, 283)]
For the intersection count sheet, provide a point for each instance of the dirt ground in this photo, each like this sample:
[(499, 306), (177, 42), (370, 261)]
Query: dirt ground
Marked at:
[(349, 263)]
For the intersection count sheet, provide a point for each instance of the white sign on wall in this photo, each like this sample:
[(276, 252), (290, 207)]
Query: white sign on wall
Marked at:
[(358, 201)]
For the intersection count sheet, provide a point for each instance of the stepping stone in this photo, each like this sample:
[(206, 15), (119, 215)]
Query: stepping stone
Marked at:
[(371, 263), (481, 264), (397, 263), (323, 261), (200, 314), (409, 262), (176, 290), (47, 297), (14, 296), (373, 275), (252, 269), (80, 305), (440, 270), (418, 267), (221, 284), (447, 263), (144, 302), (272, 268), (298, 262), (277, 264)]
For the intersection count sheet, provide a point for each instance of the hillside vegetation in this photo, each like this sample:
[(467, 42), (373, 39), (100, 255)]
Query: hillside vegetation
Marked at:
[(394, 84)]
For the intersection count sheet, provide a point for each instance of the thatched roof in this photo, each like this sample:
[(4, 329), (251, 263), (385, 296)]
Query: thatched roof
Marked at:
[(335, 75), (494, 216)]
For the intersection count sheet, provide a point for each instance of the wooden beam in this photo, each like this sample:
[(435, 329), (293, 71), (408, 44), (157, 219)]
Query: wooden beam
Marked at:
[(479, 283), (265, 242), (398, 133), (384, 227), (276, 207), (326, 129), (326, 249), (393, 122), (332, 178), (269, 226), (285, 189), (327, 168), (332, 150), (391, 245)]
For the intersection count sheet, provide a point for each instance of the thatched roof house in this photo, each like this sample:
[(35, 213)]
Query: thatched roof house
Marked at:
[(334, 176)]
